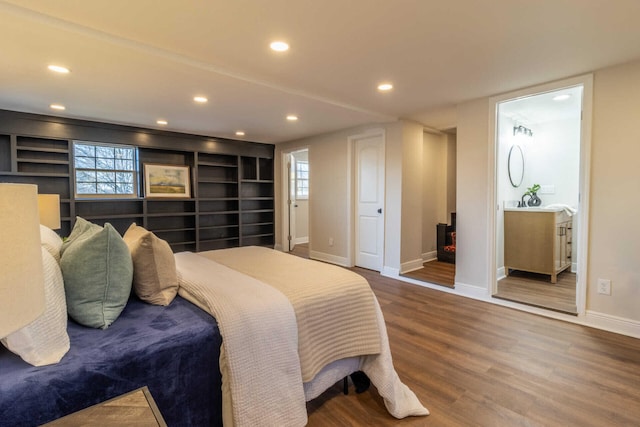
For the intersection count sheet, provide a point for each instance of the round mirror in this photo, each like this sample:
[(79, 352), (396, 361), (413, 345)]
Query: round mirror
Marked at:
[(516, 165)]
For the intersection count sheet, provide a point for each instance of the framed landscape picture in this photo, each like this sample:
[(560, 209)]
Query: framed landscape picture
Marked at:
[(166, 181)]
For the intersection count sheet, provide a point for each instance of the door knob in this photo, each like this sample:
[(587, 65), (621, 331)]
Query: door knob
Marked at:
[(380, 210)]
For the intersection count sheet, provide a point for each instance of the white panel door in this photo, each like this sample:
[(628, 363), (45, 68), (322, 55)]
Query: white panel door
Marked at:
[(369, 227)]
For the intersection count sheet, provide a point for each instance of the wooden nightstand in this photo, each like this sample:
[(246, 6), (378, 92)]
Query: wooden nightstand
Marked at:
[(136, 408)]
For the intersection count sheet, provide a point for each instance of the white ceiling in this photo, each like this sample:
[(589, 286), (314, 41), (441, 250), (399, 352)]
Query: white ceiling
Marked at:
[(542, 108), (137, 61)]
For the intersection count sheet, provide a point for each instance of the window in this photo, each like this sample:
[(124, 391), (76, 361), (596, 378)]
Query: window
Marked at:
[(104, 170), (302, 179)]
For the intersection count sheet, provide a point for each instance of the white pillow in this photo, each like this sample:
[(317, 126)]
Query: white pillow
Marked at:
[(45, 340), (50, 241)]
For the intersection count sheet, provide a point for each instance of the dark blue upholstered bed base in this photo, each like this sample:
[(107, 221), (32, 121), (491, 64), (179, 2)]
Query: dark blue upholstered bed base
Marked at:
[(173, 350)]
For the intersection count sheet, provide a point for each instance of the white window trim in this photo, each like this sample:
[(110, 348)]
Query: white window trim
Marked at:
[(83, 196)]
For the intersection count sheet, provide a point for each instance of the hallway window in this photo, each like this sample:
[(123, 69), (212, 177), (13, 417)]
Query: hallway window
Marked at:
[(302, 179)]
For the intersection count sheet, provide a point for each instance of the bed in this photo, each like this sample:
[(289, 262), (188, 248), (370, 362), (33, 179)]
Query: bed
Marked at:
[(251, 337), (291, 329), (174, 350)]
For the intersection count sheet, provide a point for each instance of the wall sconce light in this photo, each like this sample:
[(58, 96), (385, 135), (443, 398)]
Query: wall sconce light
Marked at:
[(22, 277), (522, 131)]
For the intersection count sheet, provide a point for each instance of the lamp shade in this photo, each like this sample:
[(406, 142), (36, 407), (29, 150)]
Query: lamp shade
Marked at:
[(21, 275), (49, 208)]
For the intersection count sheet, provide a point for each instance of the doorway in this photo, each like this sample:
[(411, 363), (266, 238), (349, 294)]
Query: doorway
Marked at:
[(540, 175), (438, 209), (296, 212)]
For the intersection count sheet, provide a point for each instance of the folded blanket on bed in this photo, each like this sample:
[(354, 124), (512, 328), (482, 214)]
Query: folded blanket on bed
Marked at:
[(334, 307), (260, 365), (201, 281)]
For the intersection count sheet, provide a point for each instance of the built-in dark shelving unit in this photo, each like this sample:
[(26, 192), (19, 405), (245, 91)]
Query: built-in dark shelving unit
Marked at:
[(218, 201), (232, 193), (256, 201)]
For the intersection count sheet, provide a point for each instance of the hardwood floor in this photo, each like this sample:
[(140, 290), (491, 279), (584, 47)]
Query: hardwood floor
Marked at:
[(537, 290), (526, 288), (301, 250), (478, 364), (437, 272)]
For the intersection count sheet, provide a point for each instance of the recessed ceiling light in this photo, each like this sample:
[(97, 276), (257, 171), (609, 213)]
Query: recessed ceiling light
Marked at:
[(240, 133), (279, 46), (200, 99), (385, 87), (58, 69), (292, 118), (57, 107), (162, 122), (562, 97)]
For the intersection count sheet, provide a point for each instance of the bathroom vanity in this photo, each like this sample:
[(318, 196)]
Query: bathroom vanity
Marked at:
[(537, 240)]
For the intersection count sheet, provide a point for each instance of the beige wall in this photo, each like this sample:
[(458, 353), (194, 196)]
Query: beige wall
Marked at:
[(614, 246), (451, 173), (434, 192), (393, 196), (439, 185), (472, 256), (411, 212)]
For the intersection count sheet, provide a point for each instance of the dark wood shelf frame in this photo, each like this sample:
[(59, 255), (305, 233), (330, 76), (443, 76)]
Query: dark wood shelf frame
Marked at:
[(231, 180)]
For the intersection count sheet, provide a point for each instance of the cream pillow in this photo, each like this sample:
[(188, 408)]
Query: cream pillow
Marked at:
[(51, 241), (44, 341), (154, 268)]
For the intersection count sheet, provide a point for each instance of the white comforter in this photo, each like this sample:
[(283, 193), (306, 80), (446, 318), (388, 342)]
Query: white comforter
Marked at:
[(262, 381)]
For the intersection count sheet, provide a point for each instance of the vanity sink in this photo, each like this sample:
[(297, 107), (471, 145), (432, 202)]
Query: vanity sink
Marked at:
[(549, 208), (538, 240)]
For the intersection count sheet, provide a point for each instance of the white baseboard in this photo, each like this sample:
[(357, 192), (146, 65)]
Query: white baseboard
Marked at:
[(429, 256), (500, 274), (301, 240), (615, 324), (619, 325), (331, 259), (390, 272), (278, 247), (471, 291), (574, 267), (412, 265)]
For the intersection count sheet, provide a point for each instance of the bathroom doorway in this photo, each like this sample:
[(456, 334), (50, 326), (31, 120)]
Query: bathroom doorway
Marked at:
[(296, 213), (540, 175)]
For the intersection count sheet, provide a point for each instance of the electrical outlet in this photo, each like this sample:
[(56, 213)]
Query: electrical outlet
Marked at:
[(604, 286), (330, 241), (547, 189)]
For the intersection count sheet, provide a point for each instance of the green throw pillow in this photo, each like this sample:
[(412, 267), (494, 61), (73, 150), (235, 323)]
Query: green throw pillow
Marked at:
[(82, 229), (98, 271)]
